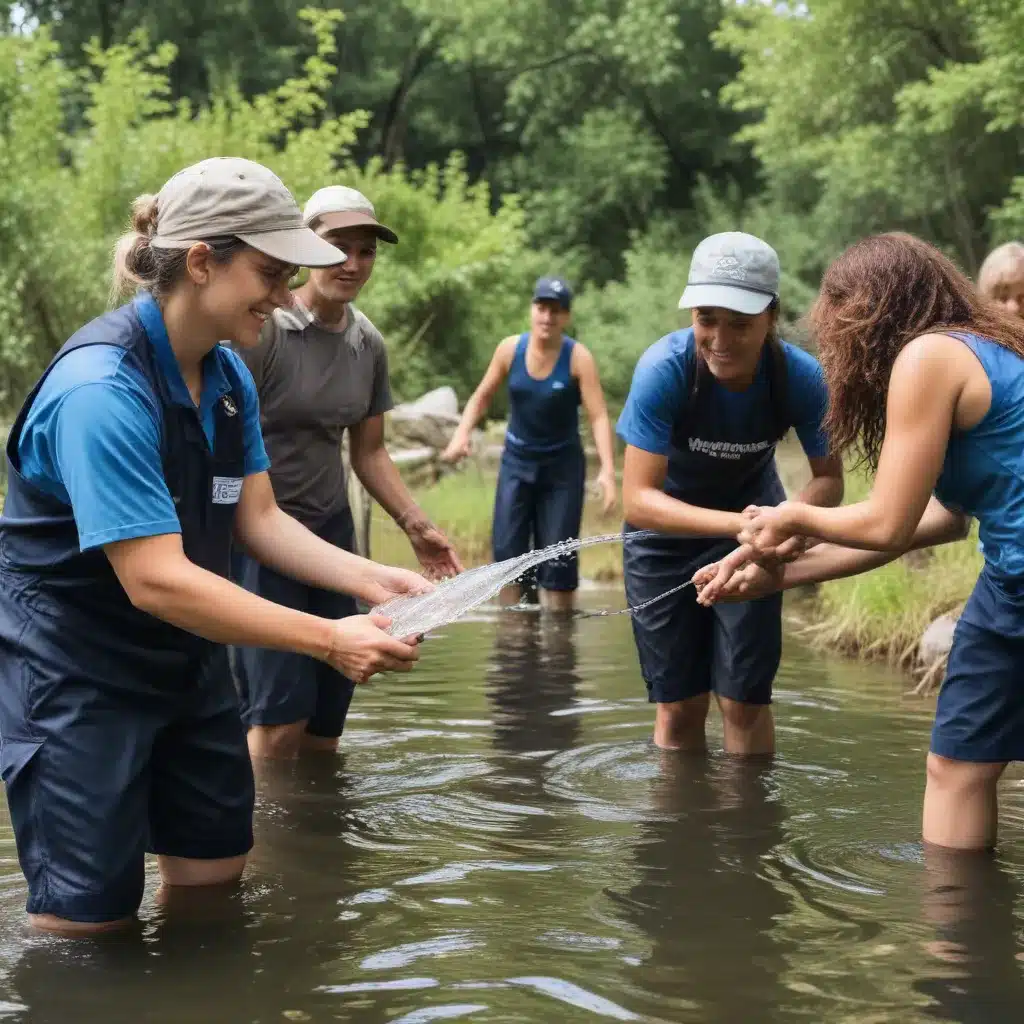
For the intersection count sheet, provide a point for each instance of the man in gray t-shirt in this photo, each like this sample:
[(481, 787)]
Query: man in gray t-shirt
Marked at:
[(322, 369), (314, 382)]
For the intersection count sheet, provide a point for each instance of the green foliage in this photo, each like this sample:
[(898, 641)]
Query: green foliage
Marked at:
[(600, 139), (609, 114), (873, 117), (598, 112), (446, 293), (884, 612), (458, 281), (618, 321)]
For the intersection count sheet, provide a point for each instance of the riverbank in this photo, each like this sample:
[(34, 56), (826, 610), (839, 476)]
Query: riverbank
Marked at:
[(879, 615)]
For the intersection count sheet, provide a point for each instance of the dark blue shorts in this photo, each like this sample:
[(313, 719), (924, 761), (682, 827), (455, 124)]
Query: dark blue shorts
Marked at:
[(539, 501), (685, 649), (96, 775), (980, 712), (281, 687)]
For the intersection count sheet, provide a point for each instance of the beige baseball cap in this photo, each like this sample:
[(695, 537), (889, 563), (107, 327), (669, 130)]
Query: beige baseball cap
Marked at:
[(228, 196), (338, 206)]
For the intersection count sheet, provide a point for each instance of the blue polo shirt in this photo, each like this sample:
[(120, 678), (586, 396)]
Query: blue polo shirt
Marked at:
[(92, 436)]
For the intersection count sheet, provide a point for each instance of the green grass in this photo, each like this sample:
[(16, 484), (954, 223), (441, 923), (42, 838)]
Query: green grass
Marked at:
[(462, 504), (883, 613)]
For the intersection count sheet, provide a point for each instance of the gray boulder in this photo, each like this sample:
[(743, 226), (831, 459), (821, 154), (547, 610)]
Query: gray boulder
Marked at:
[(430, 420)]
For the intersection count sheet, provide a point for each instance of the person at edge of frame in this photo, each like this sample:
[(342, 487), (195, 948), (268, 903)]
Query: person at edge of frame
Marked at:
[(926, 378), (134, 462)]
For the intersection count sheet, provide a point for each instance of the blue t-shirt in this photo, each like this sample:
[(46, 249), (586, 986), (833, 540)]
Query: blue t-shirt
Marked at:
[(92, 436), (661, 387)]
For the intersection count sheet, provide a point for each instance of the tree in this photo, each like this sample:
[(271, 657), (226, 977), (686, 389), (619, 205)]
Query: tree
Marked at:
[(600, 113), (445, 293), (847, 125)]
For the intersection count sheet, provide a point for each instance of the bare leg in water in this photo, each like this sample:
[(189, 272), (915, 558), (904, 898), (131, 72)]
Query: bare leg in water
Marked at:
[(749, 728)]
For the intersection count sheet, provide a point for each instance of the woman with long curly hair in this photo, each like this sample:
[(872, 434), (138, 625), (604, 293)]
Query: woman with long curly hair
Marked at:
[(926, 383)]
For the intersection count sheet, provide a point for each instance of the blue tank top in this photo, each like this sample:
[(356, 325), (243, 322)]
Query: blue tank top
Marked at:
[(983, 472), (543, 414)]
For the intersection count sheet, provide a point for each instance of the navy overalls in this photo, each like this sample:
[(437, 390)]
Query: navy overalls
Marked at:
[(120, 732), (721, 461), (539, 497)]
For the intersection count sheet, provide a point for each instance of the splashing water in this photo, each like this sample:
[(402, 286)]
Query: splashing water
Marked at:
[(454, 597)]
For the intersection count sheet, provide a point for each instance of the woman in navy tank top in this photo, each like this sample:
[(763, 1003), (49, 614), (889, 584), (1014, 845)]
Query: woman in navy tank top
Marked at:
[(926, 380), (539, 496)]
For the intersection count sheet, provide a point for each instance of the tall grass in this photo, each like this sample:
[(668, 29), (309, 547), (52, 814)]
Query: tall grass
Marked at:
[(883, 613)]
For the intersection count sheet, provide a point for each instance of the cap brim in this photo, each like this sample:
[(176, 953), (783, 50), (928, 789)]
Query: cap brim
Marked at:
[(302, 247), (548, 297), (342, 219), (740, 300)]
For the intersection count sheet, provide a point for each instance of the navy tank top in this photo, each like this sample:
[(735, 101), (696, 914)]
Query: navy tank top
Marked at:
[(543, 414), (983, 471)]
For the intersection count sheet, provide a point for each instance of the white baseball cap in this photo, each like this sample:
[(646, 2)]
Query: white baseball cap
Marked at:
[(338, 206), (732, 270), (229, 196)]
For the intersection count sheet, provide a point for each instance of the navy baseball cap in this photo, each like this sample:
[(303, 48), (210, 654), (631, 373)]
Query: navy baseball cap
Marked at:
[(553, 289)]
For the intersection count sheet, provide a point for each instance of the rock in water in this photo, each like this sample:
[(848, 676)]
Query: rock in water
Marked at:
[(937, 639)]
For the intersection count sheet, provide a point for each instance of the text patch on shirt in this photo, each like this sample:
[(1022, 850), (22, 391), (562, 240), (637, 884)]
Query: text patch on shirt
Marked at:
[(226, 490)]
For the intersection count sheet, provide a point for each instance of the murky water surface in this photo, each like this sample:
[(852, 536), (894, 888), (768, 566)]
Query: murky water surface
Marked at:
[(500, 842)]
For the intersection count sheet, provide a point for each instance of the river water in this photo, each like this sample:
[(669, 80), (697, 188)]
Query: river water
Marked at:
[(500, 842)]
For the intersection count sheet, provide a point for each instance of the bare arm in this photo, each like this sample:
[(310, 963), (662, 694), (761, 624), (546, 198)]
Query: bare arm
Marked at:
[(160, 579), (372, 464), (276, 540), (927, 380), (585, 369), (647, 506), (823, 562), (478, 402), (737, 578), (825, 488)]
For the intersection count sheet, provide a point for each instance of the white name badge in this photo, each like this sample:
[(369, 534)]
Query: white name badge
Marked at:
[(226, 490)]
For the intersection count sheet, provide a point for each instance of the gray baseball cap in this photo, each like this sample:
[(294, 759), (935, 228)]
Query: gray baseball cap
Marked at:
[(732, 270), (338, 206), (231, 197)]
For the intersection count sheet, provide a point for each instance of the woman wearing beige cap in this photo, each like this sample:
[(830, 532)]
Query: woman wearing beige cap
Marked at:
[(135, 461), (321, 370)]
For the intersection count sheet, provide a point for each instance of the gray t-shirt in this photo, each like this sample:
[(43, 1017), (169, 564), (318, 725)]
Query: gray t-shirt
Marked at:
[(313, 384)]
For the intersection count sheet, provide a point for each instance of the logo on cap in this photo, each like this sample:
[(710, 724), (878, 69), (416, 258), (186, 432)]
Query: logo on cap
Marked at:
[(229, 407), (729, 266)]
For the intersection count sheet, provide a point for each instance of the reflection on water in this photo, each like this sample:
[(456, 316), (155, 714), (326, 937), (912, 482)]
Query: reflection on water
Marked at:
[(500, 841)]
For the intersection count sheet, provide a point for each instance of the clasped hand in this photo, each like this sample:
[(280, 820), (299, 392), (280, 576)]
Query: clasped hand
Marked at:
[(756, 568), (769, 533)]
